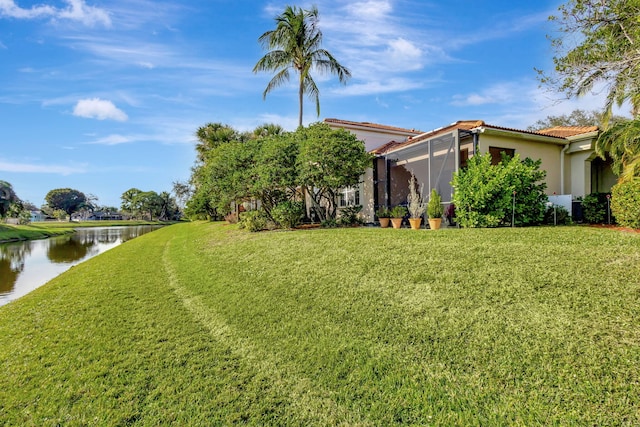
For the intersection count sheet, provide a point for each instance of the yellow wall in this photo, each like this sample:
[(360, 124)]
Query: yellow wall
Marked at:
[(549, 153)]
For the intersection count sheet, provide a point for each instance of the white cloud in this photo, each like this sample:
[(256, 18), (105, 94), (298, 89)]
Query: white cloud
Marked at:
[(377, 87), (499, 93), (100, 109), (76, 10), (34, 168), (114, 139), (88, 15)]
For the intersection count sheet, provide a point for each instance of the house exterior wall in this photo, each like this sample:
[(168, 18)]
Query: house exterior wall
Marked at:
[(579, 155), (548, 153), (367, 197), (580, 183)]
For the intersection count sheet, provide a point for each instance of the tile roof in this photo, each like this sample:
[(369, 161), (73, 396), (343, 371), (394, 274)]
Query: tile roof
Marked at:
[(373, 126), (567, 131), (462, 124), (559, 132)]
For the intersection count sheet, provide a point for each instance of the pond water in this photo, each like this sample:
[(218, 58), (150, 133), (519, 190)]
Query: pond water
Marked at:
[(25, 266)]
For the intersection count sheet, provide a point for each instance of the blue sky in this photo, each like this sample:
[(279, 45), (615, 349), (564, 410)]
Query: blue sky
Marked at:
[(102, 96)]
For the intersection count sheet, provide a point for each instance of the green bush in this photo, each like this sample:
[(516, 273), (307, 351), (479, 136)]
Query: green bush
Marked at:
[(288, 214), (254, 221), (398, 212), (594, 208), (434, 207), (329, 223), (562, 216), (350, 216), (382, 212), (625, 202), (484, 193)]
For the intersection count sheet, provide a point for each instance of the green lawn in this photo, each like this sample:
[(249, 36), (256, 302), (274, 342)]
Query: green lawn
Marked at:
[(202, 324)]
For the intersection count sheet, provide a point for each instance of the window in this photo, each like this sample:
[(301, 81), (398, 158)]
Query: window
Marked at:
[(496, 154), (464, 157), (349, 196)]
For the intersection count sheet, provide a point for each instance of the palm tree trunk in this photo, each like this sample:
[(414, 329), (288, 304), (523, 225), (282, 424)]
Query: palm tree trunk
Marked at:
[(300, 99)]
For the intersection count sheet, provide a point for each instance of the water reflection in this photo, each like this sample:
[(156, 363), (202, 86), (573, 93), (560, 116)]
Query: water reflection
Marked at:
[(24, 266)]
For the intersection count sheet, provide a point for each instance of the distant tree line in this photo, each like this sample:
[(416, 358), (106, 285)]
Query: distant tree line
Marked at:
[(67, 203)]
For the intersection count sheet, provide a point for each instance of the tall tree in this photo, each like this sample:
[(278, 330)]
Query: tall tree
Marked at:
[(295, 44), (7, 197), (329, 159), (211, 136), (577, 117), (130, 201), (600, 45), (66, 199)]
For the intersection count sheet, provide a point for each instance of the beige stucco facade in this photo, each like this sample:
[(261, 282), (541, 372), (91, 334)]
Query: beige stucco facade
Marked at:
[(547, 149), (569, 161)]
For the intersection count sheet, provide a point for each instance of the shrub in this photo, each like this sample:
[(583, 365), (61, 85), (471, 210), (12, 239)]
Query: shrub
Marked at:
[(434, 208), (415, 204), (382, 212), (350, 216), (288, 214), (231, 218), (594, 208), (329, 223), (562, 216), (484, 193), (625, 202), (398, 212), (254, 221)]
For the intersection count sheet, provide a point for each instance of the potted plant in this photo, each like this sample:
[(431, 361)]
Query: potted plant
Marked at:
[(397, 214), (415, 204), (383, 216), (434, 210)]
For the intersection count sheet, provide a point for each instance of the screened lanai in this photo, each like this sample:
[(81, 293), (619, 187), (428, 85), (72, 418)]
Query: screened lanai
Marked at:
[(432, 158)]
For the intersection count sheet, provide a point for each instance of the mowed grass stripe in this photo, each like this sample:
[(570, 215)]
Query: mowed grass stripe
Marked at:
[(309, 404), (109, 343)]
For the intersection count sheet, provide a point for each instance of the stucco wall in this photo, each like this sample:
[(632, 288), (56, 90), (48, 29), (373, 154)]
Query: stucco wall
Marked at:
[(549, 153)]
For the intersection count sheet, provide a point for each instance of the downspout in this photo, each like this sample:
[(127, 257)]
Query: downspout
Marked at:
[(476, 139), (562, 152)]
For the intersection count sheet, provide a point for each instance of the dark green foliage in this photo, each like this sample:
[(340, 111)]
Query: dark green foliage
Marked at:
[(398, 212), (594, 208), (621, 143), (7, 198), (288, 214), (562, 216), (273, 169), (484, 193), (254, 220), (596, 47), (329, 223), (383, 212), (65, 199), (350, 216), (329, 159), (625, 202)]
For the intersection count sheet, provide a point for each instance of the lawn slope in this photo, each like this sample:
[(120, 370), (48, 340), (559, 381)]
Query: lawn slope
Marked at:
[(202, 324)]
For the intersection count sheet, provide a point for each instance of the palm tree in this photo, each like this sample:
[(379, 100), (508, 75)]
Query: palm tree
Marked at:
[(295, 44), (212, 135), (622, 143)]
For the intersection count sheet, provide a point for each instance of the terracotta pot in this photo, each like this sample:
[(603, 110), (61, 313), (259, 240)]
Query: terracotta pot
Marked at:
[(434, 223), (415, 223), (396, 222), (384, 222)]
